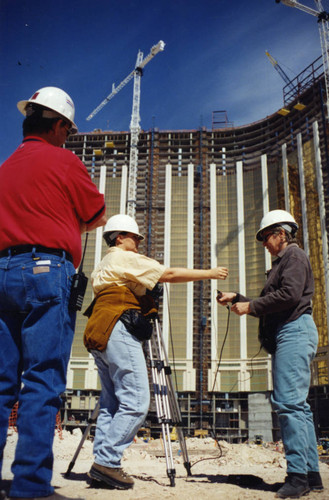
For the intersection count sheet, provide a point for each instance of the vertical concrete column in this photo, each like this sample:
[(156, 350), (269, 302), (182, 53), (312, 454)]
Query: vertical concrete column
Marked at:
[(322, 211), (190, 260), (123, 194), (302, 192), (166, 261), (266, 203), (242, 257), (213, 258), (285, 177), (99, 230)]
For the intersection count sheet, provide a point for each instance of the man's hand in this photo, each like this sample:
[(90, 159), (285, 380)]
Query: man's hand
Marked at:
[(241, 308), (225, 298)]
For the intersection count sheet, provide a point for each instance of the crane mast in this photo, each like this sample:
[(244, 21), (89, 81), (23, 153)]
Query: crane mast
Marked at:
[(134, 136), (136, 74), (323, 18)]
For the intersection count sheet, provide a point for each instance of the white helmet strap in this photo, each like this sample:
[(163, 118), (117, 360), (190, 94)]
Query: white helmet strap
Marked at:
[(46, 113), (113, 235), (286, 227)]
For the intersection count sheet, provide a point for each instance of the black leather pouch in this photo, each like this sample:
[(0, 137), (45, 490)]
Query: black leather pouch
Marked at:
[(137, 324), (266, 336)]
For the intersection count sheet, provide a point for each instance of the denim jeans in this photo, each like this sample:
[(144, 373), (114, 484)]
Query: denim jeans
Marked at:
[(36, 333), (125, 395), (296, 347)]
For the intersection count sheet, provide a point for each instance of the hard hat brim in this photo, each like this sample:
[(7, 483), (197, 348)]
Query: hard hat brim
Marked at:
[(140, 236)]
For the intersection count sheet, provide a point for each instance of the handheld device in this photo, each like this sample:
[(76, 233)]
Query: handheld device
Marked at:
[(78, 290), (78, 285)]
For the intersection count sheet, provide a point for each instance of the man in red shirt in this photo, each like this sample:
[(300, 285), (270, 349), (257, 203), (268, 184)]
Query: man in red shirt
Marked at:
[(47, 200)]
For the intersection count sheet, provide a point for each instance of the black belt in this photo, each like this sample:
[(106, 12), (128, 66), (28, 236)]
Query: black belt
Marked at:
[(37, 248)]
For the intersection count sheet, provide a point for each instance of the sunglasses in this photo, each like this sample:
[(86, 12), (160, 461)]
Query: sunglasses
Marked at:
[(68, 129), (267, 236)]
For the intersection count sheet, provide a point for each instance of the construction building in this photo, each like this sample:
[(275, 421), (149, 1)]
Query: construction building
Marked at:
[(200, 197)]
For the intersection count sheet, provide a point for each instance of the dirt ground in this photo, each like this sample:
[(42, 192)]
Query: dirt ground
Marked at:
[(231, 471)]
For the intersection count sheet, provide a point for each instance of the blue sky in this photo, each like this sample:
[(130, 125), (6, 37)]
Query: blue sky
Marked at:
[(214, 59)]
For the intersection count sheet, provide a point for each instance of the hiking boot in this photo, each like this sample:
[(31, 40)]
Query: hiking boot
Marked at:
[(113, 476), (314, 481), (295, 486)]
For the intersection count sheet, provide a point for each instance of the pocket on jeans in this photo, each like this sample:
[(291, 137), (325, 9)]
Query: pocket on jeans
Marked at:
[(42, 283)]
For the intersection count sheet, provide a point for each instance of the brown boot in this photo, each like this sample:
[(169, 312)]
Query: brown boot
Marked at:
[(113, 476)]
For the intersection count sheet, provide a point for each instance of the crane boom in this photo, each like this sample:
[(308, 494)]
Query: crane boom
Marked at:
[(115, 90), (300, 6), (323, 18), (143, 62), (278, 68)]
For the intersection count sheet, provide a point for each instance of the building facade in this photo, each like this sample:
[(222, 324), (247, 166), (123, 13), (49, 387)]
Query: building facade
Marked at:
[(200, 197)]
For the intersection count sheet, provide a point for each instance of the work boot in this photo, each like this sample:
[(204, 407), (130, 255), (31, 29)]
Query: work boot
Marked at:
[(54, 496), (314, 481), (295, 486), (113, 476)]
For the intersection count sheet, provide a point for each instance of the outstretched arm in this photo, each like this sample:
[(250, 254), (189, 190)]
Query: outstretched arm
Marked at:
[(183, 275)]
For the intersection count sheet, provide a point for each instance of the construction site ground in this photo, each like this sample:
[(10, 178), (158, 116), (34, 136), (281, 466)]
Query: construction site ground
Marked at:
[(234, 471)]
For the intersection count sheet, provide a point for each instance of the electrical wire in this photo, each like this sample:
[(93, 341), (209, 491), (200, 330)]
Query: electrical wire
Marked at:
[(212, 428), (222, 348)]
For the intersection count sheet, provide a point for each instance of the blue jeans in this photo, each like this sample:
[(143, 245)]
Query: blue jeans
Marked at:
[(36, 333), (296, 347), (125, 395)]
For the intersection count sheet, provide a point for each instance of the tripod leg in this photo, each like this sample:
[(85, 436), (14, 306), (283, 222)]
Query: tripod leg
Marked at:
[(172, 398), (162, 408), (187, 463), (92, 420), (171, 471)]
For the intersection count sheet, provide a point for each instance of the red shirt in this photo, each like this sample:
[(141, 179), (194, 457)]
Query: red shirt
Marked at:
[(45, 191)]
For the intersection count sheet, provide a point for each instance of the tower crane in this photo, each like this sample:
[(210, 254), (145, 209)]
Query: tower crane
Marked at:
[(323, 18), (135, 119), (281, 72)]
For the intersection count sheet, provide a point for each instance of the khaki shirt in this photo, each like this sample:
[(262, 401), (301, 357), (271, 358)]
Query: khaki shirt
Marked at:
[(124, 268)]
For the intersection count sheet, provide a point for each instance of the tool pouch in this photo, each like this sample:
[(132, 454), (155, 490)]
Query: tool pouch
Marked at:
[(137, 324), (266, 336)]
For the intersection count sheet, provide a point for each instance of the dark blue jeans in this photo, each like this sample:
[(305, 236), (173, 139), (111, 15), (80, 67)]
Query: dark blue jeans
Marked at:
[(36, 333)]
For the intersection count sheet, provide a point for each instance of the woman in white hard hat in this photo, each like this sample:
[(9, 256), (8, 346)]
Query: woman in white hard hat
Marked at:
[(288, 332), (114, 335)]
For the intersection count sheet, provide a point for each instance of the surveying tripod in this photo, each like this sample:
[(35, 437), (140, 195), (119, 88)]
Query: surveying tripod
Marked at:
[(167, 408), (166, 402)]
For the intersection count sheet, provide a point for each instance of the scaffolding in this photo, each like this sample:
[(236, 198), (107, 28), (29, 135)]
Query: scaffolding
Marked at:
[(188, 205)]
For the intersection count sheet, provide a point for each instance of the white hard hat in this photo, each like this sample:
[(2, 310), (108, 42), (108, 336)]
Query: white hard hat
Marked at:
[(121, 223), (277, 218), (57, 102)]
